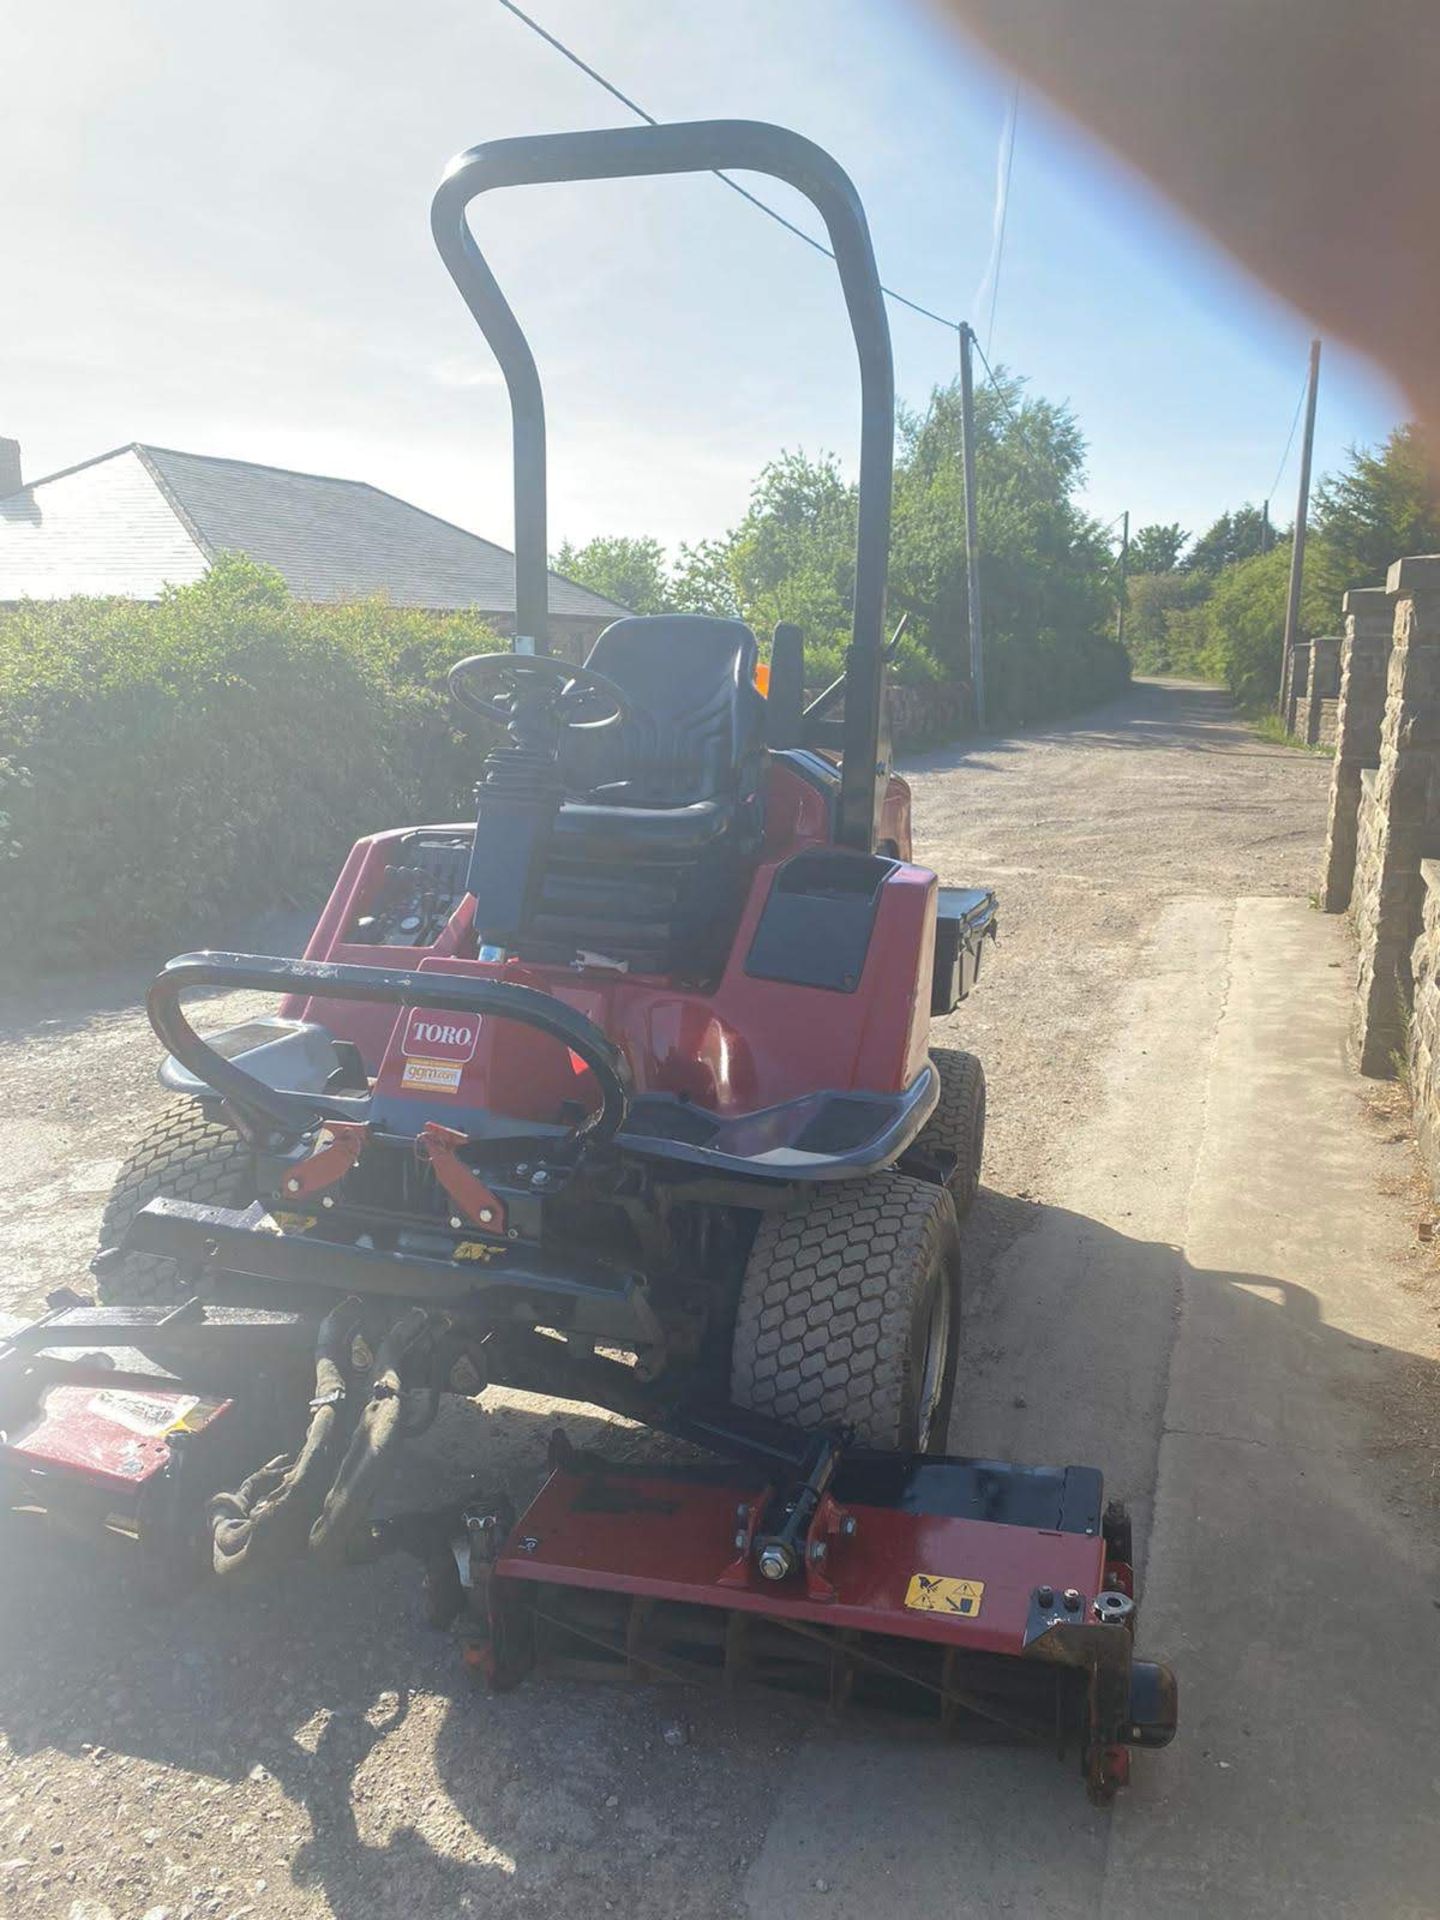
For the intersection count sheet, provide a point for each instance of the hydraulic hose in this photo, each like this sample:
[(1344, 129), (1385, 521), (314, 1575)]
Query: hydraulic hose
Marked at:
[(345, 1516), (266, 1518)]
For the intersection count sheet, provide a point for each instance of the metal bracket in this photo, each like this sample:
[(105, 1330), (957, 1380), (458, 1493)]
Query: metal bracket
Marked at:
[(348, 1140), (831, 1524), (468, 1193)]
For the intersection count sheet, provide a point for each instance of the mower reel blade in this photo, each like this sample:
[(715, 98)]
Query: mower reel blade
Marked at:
[(1000, 1625)]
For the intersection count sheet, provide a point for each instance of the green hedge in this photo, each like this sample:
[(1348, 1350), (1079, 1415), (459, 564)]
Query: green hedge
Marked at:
[(167, 769)]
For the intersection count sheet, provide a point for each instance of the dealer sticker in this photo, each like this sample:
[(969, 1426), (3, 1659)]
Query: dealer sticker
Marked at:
[(434, 1076), (940, 1593)]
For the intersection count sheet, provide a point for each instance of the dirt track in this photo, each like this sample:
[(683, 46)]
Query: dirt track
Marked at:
[(313, 1750)]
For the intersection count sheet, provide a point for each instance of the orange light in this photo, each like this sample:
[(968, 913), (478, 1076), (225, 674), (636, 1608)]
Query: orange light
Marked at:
[(762, 677)]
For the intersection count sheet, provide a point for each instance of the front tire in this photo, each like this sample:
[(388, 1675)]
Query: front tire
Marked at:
[(182, 1155), (957, 1126), (849, 1313)]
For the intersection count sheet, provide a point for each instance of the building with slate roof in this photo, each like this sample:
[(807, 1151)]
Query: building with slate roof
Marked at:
[(140, 518)]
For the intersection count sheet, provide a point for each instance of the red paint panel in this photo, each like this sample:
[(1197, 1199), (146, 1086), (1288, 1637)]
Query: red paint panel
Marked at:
[(747, 1045), (111, 1433), (677, 1538)]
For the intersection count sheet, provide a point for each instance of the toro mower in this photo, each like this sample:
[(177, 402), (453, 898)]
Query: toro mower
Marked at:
[(620, 1093)]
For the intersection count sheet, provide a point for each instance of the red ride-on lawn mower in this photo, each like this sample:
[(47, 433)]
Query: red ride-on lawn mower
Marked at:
[(622, 1094)]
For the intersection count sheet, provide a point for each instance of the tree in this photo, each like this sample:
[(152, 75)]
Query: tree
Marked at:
[(621, 567), (1381, 506), (1047, 575), (792, 556), (1234, 536), (1157, 548), (1244, 623), (1156, 641), (704, 580)]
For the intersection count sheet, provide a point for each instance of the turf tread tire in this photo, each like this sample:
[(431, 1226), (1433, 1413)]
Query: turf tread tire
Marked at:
[(825, 1329), (182, 1155), (957, 1124)]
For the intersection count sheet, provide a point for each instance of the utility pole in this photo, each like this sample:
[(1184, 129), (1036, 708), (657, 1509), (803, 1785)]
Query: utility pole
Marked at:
[(1266, 538), (972, 537), (1124, 576), (1302, 509)]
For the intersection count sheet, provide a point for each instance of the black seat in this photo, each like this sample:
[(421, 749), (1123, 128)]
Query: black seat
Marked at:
[(650, 867), (696, 723)]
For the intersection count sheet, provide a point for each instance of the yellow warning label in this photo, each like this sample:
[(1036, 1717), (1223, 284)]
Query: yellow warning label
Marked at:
[(941, 1593)]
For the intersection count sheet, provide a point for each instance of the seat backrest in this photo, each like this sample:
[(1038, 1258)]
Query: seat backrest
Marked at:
[(696, 726)]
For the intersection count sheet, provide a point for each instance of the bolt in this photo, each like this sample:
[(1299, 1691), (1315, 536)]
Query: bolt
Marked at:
[(326, 1200), (848, 1527), (818, 1550), (742, 1514), (513, 1234), (776, 1561), (292, 1185), (1114, 1607), (456, 1222), (1045, 1596), (739, 1541), (1072, 1599), (487, 1214)]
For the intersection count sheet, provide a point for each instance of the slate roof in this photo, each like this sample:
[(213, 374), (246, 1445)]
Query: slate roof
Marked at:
[(139, 517)]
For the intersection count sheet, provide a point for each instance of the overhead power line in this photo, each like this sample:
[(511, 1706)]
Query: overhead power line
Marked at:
[(1000, 392), (568, 53), (1290, 439)]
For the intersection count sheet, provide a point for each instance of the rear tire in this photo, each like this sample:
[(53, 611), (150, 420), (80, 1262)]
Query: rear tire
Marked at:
[(849, 1314), (182, 1155), (957, 1126)]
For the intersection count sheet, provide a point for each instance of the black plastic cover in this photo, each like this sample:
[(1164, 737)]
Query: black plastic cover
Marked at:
[(964, 918), (815, 928)]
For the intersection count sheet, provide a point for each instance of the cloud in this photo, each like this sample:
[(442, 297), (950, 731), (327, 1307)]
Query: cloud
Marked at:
[(458, 370)]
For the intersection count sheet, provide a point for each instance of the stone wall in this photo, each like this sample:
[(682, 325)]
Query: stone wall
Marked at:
[(1364, 660), (926, 716), (1424, 1047), (1316, 703), (1399, 821), (1297, 682)]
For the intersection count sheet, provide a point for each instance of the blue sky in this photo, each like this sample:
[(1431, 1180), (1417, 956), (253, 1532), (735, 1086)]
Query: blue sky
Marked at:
[(215, 237)]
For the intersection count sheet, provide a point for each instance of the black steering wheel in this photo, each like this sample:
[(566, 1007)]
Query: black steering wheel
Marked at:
[(502, 686)]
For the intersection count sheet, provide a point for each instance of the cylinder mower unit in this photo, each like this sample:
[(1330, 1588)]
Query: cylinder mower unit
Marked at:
[(621, 1093)]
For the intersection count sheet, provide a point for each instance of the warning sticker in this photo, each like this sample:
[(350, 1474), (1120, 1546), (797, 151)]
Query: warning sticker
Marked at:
[(144, 1413), (435, 1076), (941, 1593)]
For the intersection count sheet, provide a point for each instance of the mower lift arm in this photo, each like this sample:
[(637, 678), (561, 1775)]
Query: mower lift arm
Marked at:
[(701, 146)]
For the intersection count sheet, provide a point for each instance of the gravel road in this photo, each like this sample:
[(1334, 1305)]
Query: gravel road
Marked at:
[(312, 1749)]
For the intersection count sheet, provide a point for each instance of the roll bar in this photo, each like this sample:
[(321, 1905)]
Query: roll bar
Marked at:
[(700, 146)]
